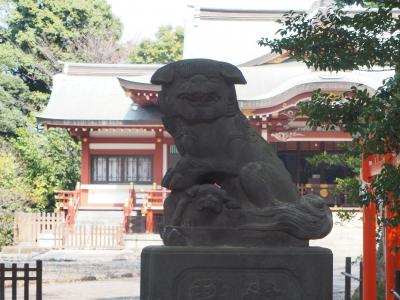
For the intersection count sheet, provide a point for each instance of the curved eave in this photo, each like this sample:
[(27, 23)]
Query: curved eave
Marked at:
[(96, 123), (132, 85), (297, 93), (140, 93), (310, 136), (269, 58)]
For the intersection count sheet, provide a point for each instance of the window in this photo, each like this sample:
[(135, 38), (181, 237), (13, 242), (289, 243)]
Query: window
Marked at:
[(122, 169)]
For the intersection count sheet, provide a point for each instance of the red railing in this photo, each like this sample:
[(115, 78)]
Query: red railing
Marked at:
[(155, 201), (63, 198), (128, 207), (73, 208), (69, 202)]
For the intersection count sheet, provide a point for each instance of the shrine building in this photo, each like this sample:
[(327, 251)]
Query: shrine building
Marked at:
[(112, 108)]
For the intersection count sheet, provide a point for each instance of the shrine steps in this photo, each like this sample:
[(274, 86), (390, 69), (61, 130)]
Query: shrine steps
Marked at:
[(99, 215)]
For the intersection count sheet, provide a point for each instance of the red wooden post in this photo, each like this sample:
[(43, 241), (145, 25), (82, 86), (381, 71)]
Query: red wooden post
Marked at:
[(85, 162), (149, 221), (369, 235), (392, 254), (158, 158), (369, 252)]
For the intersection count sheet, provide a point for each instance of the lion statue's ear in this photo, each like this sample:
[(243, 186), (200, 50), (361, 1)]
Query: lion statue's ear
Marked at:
[(232, 74), (163, 75)]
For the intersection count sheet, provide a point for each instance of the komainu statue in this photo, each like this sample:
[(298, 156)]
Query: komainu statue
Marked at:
[(229, 187)]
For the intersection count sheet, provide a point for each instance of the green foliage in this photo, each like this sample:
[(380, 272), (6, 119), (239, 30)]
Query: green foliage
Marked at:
[(35, 36), (349, 186), (347, 159), (14, 192), (335, 41), (167, 47), (369, 3), (51, 159), (10, 202)]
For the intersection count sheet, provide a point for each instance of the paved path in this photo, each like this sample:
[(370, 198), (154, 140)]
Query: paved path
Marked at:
[(116, 289)]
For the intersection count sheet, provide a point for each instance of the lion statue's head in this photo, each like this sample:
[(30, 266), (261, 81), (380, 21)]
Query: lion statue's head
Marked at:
[(198, 89)]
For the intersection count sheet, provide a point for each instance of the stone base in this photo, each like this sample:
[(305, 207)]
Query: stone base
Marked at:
[(234, 273)]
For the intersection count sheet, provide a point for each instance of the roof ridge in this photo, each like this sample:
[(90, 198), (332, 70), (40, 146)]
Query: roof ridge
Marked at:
[(94, 69)]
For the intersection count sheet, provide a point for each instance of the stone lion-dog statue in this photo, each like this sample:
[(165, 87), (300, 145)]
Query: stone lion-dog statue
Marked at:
[(229, 187)]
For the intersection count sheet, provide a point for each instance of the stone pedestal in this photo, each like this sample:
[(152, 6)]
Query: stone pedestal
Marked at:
[(235, 273)]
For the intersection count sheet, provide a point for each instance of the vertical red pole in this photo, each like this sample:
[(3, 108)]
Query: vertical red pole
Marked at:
[(149, 221), (392, 254), (85, 163), (369, 252), (158, 159), (85, 170)]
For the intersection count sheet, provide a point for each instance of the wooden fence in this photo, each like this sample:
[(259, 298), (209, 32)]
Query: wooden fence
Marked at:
[(32, 227), (50, 230), (93, 236), (4, 276)]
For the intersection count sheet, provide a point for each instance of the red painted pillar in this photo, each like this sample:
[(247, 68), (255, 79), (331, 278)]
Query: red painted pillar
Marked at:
[(392, 254), (158, 159), (85, 169), (369, 252), (85, 162), (149, 221)]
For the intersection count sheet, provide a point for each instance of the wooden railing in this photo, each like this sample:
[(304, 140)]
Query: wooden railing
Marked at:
[(128, 207), (73, 207), (32, 227), (93, 236), (302, 189), (154, 204), (26, 278), (156, 197), (63, 199), (69, 201), (50, 230)]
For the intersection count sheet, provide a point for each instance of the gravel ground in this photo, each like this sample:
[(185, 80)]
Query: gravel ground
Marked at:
[(115, 289), (73, 265)]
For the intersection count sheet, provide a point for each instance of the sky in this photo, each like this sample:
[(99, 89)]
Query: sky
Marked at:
[(141, 18)]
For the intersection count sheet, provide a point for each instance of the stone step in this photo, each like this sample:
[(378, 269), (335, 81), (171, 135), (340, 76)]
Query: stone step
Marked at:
[(99, 216), (141, 240)]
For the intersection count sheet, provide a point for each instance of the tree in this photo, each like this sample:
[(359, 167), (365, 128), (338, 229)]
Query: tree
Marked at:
[(14, 192), (167, 47), (51, 159), (335, 41), (91, 48), (35, 36)]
